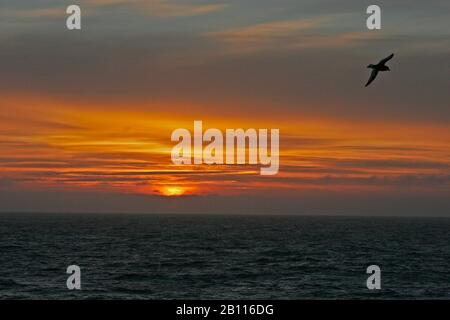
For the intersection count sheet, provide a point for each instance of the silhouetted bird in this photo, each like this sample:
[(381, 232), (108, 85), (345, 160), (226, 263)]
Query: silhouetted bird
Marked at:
[(378, 67)]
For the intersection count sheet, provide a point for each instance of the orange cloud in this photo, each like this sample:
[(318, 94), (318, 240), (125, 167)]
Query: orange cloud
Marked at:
[(44, 144)]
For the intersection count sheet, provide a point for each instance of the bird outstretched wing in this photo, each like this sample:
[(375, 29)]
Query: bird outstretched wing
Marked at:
[(373, 75), (386, 59)]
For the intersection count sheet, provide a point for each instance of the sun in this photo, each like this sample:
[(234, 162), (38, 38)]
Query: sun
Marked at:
[(173, 191)]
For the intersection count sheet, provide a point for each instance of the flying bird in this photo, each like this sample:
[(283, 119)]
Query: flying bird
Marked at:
[(380, 66)]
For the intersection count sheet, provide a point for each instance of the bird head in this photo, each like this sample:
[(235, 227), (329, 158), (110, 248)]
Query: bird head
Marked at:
[(370, 66)]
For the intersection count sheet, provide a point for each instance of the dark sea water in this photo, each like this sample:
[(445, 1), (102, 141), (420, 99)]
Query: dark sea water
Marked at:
[(222, 257)]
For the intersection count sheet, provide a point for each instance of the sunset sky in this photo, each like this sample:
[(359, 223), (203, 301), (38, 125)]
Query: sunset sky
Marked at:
[(86, 116)]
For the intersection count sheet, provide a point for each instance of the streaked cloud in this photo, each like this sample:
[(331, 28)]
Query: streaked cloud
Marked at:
[(268, 31), (164, 8), (168, 9), (36, 13), (130, 153), (285, 35), (157, 8)]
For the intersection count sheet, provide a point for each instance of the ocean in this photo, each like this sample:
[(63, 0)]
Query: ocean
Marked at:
[(222, 257)]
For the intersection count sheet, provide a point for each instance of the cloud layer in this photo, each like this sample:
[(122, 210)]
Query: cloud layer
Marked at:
[(91, 112)]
